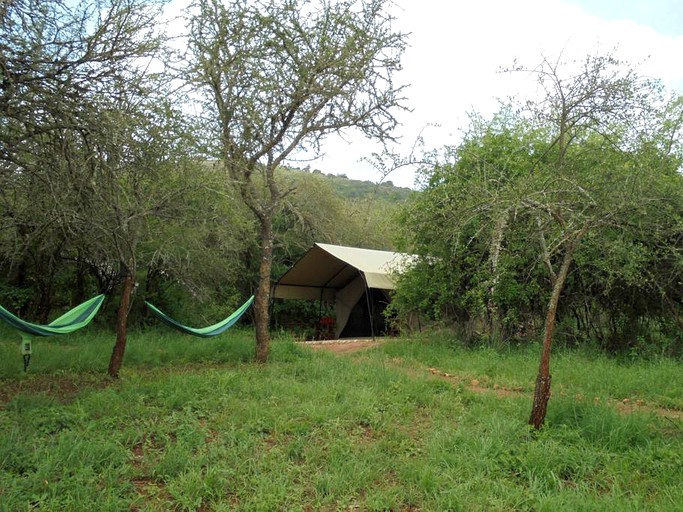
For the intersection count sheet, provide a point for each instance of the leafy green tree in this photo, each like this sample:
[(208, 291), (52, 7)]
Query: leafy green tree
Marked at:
[(529, 205), (604, 106), (312, 212), (280, 76), (87, 134), (58, 60), (56, 57), (458, 221), (143, 168)]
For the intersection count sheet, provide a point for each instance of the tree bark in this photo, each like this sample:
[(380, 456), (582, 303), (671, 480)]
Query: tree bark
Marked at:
[(121, 326), (45, 302), (545, 254), (262, 300), (78, 292), (495, 321), (543, 380)]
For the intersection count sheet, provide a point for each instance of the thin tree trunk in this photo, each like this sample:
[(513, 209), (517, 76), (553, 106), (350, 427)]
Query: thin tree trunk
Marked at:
[(545, 253), (262, 300), (46, 285), (121, 326), (78, 293), (45, 302), (495, 323), (543, 380)]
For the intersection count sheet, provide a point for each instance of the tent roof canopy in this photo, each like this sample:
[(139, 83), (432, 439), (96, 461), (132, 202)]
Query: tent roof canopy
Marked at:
[(326, 268)]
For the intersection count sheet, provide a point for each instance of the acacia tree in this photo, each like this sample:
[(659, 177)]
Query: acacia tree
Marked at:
[(281, 75), (140, 176), (83, 126), (595, 159), (603, 107), (60, 62)]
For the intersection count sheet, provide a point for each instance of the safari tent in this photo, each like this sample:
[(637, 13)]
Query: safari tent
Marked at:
[(357, 281)]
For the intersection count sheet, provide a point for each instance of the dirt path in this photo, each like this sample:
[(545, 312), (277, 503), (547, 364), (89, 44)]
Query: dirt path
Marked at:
[(343, 346), (625, 406)]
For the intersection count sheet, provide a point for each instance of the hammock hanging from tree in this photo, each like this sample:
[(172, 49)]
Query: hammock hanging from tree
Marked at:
[(71, 321), (205, 332)]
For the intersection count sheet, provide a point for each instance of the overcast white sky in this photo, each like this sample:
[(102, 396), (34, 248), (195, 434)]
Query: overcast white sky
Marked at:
[(458, 47)]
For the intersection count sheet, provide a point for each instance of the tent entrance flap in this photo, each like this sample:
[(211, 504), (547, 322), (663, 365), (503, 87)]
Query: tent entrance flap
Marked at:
[(362, 322), (345, 301)]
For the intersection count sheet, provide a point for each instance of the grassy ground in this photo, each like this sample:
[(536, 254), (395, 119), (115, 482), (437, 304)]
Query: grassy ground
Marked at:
[(195, 425)]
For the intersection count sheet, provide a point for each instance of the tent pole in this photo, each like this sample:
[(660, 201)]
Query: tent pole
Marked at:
[(320, 312), (367, 299)]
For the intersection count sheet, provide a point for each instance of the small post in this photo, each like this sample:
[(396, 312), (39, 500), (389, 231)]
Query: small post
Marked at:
[(26, 351)]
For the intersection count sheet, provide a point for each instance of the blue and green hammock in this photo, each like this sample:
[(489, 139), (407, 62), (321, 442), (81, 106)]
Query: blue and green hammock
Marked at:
[(71, 321), (205, 332)]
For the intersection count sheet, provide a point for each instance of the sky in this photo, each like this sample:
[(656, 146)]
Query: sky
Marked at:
[(457, 49)]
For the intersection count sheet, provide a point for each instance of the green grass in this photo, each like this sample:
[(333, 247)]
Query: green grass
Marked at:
[(89, 351), (575, 372), (193, 425)]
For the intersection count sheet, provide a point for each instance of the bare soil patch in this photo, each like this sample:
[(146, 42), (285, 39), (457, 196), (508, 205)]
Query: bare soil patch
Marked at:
[(343, 346), (63, 388)]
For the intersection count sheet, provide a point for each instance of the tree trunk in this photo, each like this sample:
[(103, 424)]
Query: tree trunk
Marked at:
[(46, 280), (495, 321), (542, 391), (121, 325), (262, 300), (45, 301), (78, 292), (544, 252)]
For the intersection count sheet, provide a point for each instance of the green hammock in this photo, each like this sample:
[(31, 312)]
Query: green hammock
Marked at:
[(206, 332), (72, 320)]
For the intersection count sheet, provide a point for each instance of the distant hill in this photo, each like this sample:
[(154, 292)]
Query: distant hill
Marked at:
[(357, 189)]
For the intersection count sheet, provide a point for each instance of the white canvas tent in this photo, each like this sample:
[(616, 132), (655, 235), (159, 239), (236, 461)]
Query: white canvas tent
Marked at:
[(349, 277)]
